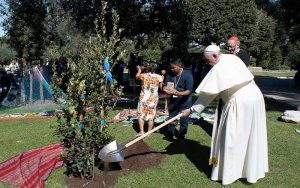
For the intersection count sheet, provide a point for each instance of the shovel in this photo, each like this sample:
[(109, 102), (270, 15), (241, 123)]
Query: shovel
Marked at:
[(112, 151)]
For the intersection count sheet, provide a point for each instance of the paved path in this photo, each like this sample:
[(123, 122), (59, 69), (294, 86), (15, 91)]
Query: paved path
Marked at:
[(280, 90)]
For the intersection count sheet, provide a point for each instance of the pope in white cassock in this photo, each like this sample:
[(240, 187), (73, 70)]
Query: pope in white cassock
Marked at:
[(239, 147)]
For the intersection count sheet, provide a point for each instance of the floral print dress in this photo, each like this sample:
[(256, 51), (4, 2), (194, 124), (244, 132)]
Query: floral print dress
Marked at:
[(149, 95)]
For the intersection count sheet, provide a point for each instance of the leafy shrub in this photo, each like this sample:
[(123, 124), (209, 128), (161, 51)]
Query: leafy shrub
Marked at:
[(89, 96)]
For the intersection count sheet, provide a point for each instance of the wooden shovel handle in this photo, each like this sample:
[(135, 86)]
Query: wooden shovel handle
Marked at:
[(153, 130)]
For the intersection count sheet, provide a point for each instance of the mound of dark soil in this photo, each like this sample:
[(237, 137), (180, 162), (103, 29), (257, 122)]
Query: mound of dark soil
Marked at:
[(138, 157)]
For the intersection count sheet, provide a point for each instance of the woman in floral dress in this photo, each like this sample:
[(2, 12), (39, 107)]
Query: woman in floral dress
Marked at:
[(148, 97)]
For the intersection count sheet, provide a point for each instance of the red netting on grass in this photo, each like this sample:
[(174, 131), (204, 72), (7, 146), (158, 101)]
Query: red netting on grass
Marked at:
[(31, 168)]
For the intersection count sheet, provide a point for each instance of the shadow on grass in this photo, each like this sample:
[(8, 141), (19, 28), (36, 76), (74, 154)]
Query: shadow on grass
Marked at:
[(195, 152), (136, 128), (272, 105), (205, 125), (130, 104), (244, 181), (126, 105)]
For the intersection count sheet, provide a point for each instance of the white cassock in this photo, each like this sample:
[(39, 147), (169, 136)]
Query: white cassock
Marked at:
[(239, 146)]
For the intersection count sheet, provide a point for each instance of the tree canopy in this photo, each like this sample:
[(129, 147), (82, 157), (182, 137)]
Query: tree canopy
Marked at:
[(32, 25), (25, 27)]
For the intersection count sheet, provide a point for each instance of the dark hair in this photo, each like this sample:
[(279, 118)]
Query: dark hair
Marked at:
[(177, 62), (148, 68)]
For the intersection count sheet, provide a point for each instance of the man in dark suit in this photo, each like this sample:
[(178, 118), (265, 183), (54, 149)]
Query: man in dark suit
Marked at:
[(233, 44)]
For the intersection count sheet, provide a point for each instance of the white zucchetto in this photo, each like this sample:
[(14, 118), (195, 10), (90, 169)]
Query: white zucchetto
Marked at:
[(212, 48)]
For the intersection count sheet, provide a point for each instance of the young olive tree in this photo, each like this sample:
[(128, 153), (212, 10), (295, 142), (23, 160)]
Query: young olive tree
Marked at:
[(90, 94)]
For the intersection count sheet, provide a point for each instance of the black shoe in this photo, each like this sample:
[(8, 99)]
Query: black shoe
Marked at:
[(169, 138), (181, 139)]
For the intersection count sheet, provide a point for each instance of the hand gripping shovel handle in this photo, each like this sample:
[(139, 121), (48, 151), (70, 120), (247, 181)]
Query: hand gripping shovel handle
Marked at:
[(153, 130)]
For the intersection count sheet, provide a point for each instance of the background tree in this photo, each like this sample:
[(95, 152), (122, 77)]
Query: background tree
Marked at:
[(25, 25), (180, 24), (141, 20), (201, 22), (132, 17), (6, 52), (292, 16), (263, 39), (215, 21), (292, 22), (276, 58), (83, 12), (152, 46), (65, 38)]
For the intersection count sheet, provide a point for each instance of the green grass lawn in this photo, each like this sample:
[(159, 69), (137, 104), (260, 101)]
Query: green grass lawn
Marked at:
[(275, 73), (183, 166), (22, 135), (27, 109)]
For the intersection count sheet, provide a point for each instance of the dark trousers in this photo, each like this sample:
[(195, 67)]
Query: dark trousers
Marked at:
[(174, 109)]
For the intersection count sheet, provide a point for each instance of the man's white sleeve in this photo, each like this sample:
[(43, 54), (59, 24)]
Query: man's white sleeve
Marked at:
[(203, 100)]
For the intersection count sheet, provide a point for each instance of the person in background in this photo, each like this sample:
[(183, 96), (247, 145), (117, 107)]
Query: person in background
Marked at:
[(4, 82), (22, 66), (233, 44), (14, 67), (118, 71), (62, 70), (178, 84), (239, 147), (148, 99)]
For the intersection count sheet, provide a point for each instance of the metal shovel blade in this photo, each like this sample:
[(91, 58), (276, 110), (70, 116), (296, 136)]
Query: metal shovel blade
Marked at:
[(106, 154)]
